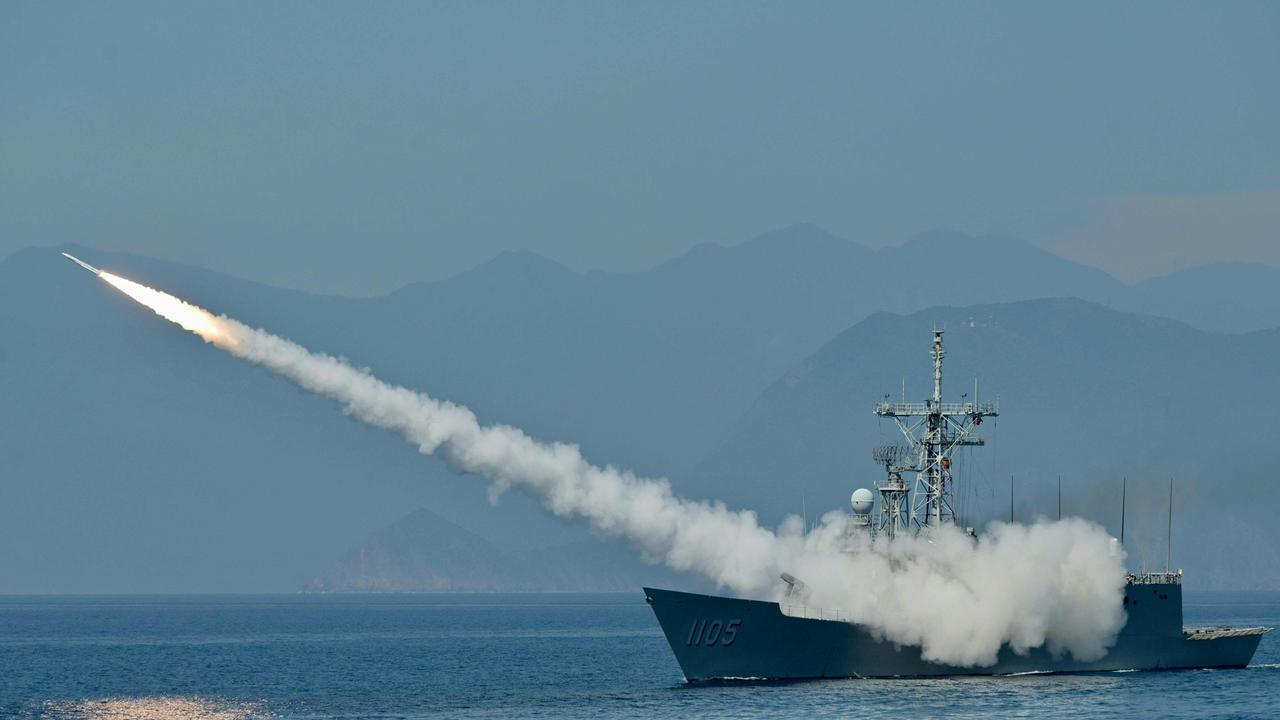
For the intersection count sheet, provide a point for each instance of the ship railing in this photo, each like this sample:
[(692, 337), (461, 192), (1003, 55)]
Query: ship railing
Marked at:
[(924, 408), (812, 613), (1166, 577)]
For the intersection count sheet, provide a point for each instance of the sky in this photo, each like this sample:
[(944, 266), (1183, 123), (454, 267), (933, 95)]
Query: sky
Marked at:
[(352, 148)]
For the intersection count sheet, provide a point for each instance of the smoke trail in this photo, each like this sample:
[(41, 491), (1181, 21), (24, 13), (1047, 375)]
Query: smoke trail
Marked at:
[(959, 598)]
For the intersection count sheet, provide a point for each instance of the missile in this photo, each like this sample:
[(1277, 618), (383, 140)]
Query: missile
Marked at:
[(82, 264)]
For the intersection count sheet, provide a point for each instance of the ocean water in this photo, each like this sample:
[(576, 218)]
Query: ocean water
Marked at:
[(595, 656)]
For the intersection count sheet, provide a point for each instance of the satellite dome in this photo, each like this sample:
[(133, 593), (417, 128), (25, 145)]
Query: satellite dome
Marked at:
[(862, 500)]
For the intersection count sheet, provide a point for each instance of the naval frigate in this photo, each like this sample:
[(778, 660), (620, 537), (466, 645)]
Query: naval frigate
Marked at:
[(716, 637)]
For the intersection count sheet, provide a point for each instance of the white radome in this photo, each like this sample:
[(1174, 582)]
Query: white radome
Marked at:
[(862, 500)]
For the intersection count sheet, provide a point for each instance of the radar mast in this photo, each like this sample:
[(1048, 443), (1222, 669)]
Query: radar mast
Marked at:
[(933, 431)]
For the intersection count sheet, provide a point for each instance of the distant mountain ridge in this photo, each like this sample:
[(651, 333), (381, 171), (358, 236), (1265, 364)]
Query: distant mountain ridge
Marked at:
[(423, 552), (126, 445), (805, 267)]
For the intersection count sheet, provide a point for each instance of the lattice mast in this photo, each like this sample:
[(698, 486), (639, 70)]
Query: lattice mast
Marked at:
[(894, 502), (933, 430)]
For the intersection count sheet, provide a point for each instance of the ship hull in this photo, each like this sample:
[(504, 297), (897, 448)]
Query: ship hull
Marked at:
[(727, 638)]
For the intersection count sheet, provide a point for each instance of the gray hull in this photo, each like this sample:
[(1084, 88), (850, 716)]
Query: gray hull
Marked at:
[(720, 637)]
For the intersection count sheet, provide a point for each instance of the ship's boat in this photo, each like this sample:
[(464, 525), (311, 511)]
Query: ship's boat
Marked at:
[(717, 637)]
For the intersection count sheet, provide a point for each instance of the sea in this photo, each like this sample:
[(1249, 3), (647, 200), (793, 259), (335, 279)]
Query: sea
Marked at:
[(597, 656)]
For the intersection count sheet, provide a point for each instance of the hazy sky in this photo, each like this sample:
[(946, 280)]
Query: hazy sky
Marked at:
[(355, 147)]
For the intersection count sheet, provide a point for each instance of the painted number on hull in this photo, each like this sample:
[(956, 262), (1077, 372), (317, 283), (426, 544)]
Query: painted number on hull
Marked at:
[(711, 632)]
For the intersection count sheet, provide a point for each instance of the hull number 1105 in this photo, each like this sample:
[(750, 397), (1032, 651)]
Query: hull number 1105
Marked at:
[(713, 632)]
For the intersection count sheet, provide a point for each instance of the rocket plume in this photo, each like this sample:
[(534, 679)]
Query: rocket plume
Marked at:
[(190, 317), (1053, 584)]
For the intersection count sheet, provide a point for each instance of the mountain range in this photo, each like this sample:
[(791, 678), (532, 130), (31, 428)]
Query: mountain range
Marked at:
[(134, 459), (423, 552), (1090, 397)]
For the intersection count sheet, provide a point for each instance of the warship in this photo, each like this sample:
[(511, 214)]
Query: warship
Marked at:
[(727, 638)]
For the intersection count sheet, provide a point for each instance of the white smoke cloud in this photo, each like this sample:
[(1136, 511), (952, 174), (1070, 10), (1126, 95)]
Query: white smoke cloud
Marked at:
[(1055, 584), (1052, 584)]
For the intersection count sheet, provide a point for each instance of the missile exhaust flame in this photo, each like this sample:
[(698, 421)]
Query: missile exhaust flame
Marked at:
[(192, 318), (213, 329), (1055, 584)]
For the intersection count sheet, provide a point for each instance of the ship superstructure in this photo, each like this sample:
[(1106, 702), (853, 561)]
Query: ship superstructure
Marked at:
[(724, 637)]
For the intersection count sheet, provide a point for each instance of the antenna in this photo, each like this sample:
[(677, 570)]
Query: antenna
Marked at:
[(1011, 498), (804, 514), (1168, 545), (1124, 482), (1059, 497)]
